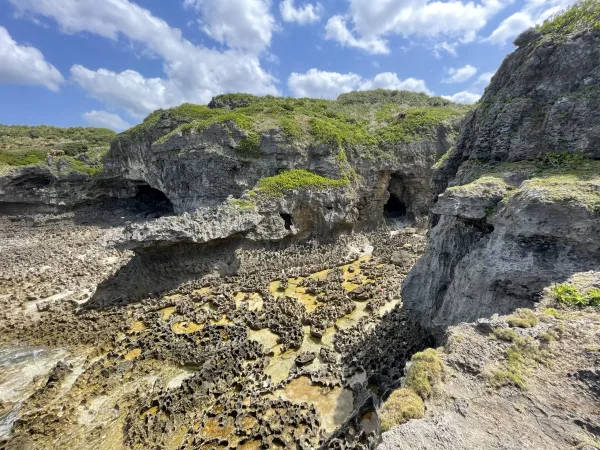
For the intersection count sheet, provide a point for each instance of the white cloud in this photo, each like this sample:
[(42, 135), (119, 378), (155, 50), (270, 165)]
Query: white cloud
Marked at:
[(337, 30), (22, 64), (316, 83), (389, 80), (105, 119), (306, 14), (321, 84), (129, 89), (445, 46), (534, 12), (485, 78), (372, 20), (460, 75), (241, 24), (193, 73), (465, 97), (510, 28)]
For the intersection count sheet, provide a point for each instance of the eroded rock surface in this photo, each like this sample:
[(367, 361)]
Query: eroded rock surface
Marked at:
[(521, 208)]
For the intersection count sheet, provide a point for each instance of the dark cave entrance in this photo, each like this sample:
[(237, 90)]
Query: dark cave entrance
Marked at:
[(153, 200), (287, 218), (394, 208)]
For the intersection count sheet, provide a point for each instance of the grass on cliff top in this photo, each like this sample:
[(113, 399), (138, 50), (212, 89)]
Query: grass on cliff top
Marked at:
[(557, 179), (30, 145), (278, 185), (367, 119), (583, 15)]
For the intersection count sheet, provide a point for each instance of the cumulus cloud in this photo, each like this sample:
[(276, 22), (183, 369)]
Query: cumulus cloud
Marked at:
[(460, 75), (337, 30), (306, 14), (22, 64), (485, 78), (321, 84), (241, 24), (373, 20), (465, 97), (105, 119), (193, 73), (534, 12)]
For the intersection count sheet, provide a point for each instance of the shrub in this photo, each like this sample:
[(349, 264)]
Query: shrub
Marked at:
[(569, 295), (400, 407), (593, 296), (21, 157), (426, 370), (249, 147), (505, 334), (523, 318)]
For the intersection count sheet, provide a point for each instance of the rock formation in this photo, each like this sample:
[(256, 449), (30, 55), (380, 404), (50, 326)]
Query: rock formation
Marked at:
[(519, 195)]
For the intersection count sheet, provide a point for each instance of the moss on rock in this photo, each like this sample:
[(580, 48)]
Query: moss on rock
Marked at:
[(426, 371), (278, 185), (402, 406)]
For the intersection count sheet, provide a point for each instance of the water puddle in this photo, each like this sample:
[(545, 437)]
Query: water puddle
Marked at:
[(334, 405)]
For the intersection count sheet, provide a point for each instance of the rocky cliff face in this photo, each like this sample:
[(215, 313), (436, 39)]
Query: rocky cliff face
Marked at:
[(519, 196), (284, 170)]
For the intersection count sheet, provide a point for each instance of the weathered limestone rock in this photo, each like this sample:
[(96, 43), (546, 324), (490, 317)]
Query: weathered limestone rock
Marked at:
[(507, 228)]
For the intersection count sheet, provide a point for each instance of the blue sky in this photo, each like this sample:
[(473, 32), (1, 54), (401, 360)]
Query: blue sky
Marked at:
[(111, 62)]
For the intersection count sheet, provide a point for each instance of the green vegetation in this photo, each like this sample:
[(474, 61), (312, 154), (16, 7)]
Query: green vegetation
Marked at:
[(31, 145), (523, 354), (407, 125), (566, 179), (552, 312), (440, 162), (563, 160), (569, 295), (21, 157), (400, 407), (583, 15), (505, 334), (276, 186), (523, 318), (366, 121), (426, 371), (243, 204)]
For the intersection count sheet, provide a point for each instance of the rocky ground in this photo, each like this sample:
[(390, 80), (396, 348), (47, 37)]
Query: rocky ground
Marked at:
[(269, 358), (509, 387)]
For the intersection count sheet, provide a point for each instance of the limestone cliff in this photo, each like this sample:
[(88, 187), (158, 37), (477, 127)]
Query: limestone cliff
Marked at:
[(280, 169), (519, 195)]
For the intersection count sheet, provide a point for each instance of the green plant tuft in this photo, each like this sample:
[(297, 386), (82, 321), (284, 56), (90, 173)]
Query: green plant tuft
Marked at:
[(523, 318), (402, 406), (505, 334), (426, 371), (569, 295), (583, 15), (278, 185), (521, 356)]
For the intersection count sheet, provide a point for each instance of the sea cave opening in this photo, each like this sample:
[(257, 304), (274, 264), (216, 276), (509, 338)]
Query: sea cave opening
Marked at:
[(148, 198), (287, 218), (394, 208)]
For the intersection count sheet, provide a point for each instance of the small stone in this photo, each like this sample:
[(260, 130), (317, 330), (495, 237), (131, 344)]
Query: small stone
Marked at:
[(305, 358)]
